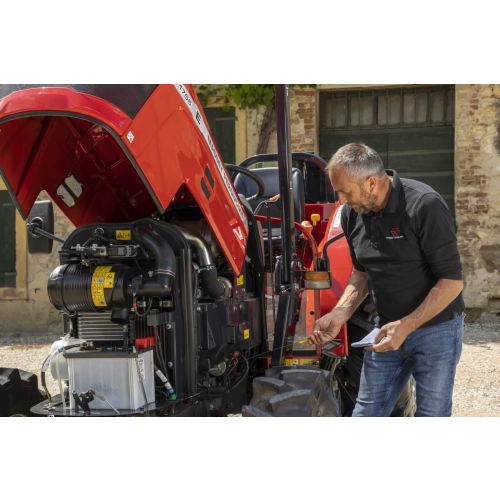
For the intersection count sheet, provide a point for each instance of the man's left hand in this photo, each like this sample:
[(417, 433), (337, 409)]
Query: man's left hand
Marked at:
[(394, 334)]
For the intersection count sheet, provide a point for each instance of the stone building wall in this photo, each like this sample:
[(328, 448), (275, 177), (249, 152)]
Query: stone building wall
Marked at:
[(33, 311), (477, 178)]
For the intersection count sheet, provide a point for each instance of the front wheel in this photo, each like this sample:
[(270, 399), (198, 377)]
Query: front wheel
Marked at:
[(294, 391), (18, 392)]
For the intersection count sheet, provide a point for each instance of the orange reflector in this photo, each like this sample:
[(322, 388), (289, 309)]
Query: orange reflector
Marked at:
[(317, 276), (274, 198), (317, 280)]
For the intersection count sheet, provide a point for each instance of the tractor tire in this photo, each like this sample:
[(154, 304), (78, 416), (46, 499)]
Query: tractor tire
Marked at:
[(294, 391), (18, 392)]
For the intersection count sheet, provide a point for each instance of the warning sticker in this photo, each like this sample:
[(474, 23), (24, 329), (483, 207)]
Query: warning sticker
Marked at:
[(103, 269), (241, 280), (101, 279), (141, 369), (123, 235), (299, 361), (109, 280), (246, 334)]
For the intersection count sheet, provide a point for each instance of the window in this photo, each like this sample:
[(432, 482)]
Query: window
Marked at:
[(7, 241), (409, 107)]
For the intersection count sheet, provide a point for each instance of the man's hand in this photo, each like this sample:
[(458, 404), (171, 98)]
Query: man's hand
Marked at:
[(394, 334), (327, 328)]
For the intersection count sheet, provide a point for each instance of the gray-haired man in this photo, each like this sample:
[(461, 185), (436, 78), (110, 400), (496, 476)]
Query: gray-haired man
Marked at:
[(404, 250)]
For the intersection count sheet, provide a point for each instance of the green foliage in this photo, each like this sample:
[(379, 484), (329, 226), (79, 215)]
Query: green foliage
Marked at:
[(245, 95)]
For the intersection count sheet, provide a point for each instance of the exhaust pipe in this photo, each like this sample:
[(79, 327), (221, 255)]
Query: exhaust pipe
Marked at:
[(208, 271), (163, 277)]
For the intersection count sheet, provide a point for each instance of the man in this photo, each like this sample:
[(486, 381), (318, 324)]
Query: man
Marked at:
[(404, 250)]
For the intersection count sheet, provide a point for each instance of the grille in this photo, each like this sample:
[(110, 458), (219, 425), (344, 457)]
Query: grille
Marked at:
[(97, 328)]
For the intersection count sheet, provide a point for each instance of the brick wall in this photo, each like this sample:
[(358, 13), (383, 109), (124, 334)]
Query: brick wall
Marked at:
[(477, 177), (302, 118)]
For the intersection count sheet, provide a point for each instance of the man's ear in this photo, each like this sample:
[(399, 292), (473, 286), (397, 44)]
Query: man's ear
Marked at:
[(372, 183)]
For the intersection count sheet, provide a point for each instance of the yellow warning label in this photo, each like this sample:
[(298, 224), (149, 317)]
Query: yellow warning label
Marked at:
[(101, 279), (103, 269), (241, 280), (109, 280), (299, 361), (246, 334), (123, 235)]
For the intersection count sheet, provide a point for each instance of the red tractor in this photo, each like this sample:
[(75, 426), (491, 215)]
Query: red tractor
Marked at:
[(188, 286)]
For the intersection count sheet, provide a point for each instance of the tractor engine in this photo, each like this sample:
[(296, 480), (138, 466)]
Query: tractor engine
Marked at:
[(153, 314)]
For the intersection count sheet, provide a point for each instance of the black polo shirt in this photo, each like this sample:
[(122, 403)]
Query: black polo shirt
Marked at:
[(405, 249)]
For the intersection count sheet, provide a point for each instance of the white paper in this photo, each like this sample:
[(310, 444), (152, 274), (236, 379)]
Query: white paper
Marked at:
[(369, 340)]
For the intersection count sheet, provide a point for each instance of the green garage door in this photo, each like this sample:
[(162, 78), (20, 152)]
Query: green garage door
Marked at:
[(223, 127), (7, 241), (411, 128)]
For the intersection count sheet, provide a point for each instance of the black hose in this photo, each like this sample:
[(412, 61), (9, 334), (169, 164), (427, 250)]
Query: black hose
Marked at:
[(218, 393), (210, 283), (163, 277), (244, 376), (325, 258)]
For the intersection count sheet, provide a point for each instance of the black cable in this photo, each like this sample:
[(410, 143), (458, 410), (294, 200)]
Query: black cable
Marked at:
[(218, 393), (160, 355), (231, 370), (244, 376), (148, 309)]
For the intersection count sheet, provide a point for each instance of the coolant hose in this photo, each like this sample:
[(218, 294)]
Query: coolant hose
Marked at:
[(210, 284), (162, 280)]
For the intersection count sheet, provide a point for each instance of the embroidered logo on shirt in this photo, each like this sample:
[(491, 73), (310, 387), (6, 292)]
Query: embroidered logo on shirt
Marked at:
[(395, 234)]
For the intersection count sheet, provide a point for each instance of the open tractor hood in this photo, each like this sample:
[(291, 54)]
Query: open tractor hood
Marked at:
[(117, 153)]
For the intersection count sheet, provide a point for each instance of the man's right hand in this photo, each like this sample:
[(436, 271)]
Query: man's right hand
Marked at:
[(327, 328)]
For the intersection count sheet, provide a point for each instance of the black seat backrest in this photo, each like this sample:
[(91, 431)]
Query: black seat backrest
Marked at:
[(247, 187)]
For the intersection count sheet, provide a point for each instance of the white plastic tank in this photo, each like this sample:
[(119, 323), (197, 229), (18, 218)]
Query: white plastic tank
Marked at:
[(63, 365)]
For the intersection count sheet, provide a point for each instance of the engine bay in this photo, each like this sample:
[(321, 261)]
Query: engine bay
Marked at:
[(153, 316)]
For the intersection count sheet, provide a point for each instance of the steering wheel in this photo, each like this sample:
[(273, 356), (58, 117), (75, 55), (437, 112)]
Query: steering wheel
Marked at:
[(251, 175)]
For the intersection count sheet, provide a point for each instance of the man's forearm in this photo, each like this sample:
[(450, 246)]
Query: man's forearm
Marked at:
[(355, 292), (441, 296)]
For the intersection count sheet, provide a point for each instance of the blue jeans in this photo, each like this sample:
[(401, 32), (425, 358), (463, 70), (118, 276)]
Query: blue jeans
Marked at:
[(431, 355)]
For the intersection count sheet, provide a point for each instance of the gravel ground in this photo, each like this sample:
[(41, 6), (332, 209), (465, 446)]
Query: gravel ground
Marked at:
[(477, 388)]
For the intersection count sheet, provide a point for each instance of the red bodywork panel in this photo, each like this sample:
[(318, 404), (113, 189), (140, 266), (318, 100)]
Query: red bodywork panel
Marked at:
[(128, 168), (340, 265), (340, 268)]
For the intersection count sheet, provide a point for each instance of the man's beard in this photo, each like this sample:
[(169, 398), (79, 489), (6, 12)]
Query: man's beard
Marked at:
[(367, 203)]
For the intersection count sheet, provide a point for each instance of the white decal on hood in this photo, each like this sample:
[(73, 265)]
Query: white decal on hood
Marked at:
[(197, 116)]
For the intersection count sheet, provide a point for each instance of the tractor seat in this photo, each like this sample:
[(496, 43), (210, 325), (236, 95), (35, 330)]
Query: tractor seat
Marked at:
[(247, 187)]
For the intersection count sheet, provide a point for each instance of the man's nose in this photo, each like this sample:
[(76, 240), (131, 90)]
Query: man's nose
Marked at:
[(342, 199)]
